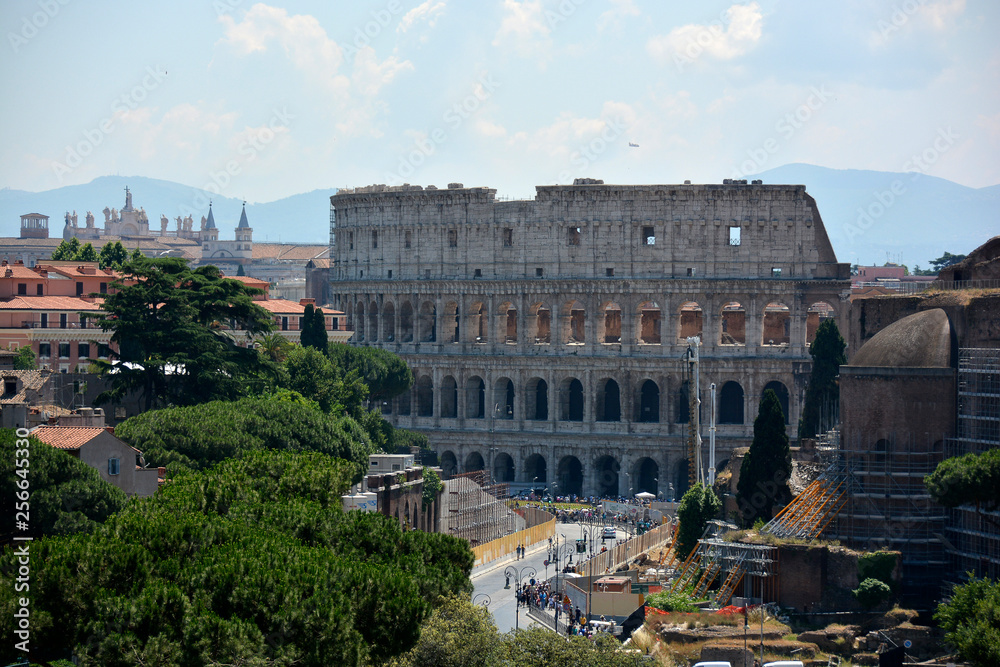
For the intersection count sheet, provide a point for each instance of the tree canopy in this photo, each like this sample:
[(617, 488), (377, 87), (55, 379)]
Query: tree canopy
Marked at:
[(970, 619), (24, 360), (947, 259), (972, 479), (200, 436), (822, 394), (66, 494), (385, 373), (313, 329), (698, 505), (169, 333), (767, 466), (250, 562), (113, 255)]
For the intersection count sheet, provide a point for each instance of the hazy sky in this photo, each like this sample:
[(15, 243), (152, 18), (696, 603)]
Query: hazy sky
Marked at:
[(266, 100)]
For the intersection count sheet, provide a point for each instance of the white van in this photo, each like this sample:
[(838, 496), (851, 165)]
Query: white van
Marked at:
[(784, 663), (713, 664)]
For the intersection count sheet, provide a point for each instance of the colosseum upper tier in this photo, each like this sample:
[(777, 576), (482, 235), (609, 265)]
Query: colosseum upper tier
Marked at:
[(548, 337)]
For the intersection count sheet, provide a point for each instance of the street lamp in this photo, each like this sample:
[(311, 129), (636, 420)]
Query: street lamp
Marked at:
[(519, 576), (485, 600)]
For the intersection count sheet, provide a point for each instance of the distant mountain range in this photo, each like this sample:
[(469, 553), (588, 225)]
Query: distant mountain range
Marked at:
[(302, 218), (909, 218), (871, 216)]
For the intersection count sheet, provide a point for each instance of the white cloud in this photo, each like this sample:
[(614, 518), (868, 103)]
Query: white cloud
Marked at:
[(523, 25), (735, 34), (619, 10), (426, 11), (940, 14)]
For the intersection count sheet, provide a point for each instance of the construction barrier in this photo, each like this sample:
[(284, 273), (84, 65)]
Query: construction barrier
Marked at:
[(505, 546), (622, 553)]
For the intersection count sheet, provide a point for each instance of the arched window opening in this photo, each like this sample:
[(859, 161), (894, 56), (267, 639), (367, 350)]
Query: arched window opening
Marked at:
[(734, 324)]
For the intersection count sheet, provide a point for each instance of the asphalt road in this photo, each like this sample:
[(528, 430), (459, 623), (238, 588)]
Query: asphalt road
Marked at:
[(489, 584)]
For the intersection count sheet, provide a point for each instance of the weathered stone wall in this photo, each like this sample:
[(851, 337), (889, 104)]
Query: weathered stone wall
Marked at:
[(546, 336)]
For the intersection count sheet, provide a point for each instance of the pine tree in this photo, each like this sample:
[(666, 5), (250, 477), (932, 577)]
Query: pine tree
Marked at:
[(112, 255), (827, 351), (240, 271), (306, 337), (767, 466), (699, 504), (320, 337)]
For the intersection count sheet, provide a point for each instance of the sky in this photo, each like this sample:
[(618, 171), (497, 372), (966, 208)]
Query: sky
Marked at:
[(266, 100)]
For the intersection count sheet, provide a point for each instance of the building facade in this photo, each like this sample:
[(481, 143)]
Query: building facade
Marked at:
[(548, 336)]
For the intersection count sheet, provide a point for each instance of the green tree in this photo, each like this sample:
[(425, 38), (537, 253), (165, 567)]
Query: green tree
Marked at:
[(66, 251), (827, 351), (432, 486), (112, 255), (24, 360), (871, 593), (240, 271), (699, 505), (971, 621), (66, 494), (136, 255), (767, 466), (458, 634), (202, 435), (945, 260), (385, 373), (972, 479), (169, 334), (86, 254)]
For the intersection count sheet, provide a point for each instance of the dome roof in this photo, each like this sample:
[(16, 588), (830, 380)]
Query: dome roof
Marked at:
[(921, 340)]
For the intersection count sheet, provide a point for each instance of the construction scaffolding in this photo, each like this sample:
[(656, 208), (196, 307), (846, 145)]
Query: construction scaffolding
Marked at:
[(812, 510), (887, 505), (974, 536), (477, 508), (755, 566)]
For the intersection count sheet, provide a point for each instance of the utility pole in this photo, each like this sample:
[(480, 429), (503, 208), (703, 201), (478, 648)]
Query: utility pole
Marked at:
[(711, 439), (695, 474)]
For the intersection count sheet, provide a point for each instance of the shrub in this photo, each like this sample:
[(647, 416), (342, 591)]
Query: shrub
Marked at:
[(872, 592)]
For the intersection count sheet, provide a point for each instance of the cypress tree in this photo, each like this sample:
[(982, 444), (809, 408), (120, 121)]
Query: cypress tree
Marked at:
[(827, 351), (767, 466)]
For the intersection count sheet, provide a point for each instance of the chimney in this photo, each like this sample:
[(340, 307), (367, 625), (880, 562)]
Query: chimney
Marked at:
[(110, 429), (306, 302)]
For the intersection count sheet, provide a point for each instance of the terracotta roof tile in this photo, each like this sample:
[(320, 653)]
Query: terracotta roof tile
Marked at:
[(71, 303), (66, 437)]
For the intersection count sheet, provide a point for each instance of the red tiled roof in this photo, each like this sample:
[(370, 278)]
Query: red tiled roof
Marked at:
[(19, 271), (49, 303), (67, 437), (251, 282), (77, 270), (281, 306)]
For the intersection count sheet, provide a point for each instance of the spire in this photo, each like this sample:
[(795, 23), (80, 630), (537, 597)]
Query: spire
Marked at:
[(243, 218), (210, 223)]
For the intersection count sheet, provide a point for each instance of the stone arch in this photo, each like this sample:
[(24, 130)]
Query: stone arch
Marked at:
[(611, 323), (645, 476), (609, 401), (541, 324), (647, 403), (733, 324), (731, 403), (474, 462), (373, 322), (508, 323), (479, 323), (691, 320), (649, 319), (406, 322), (449, 464), (570, 476), (389, 321), (571, 400), (606, 469), (425, 396), (475, 398), (503, 398), (777, 324), (683, 407), (503, 468), (573, 318), (427, 323), (815, 315), (449, 397), (781, 390), (403, 403), (536, 400), (362, 324), (534, 466), (450, 323)]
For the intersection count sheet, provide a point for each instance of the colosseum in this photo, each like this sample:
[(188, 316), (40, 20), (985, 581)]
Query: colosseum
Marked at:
[(548, 336)]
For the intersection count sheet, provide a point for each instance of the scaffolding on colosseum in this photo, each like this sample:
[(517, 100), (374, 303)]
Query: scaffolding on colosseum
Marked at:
[(477, 508), (974, 536)]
